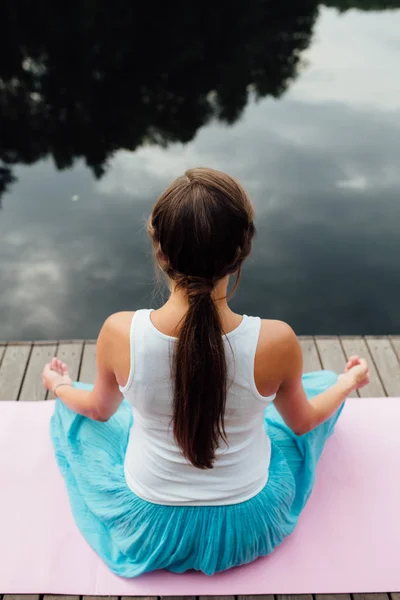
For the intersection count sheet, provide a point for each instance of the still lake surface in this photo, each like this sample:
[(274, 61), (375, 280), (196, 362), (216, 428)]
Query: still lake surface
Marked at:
[(315, 140)]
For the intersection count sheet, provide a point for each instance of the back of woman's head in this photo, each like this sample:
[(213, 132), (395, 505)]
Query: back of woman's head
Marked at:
[(201, 228)]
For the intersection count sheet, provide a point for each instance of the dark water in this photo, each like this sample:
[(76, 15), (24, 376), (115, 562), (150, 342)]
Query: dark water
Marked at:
[(102, 105)]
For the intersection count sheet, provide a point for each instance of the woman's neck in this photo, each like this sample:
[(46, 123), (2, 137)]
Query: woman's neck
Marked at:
[(168, 317), (179, 299)]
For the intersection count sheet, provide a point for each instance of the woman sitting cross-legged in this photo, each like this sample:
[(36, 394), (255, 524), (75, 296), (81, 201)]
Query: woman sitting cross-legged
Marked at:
[(198, 444)]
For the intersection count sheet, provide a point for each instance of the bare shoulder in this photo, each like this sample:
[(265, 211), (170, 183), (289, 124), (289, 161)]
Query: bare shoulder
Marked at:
[(119, 323), (115, 332), (277, 333), (277, 348), (113, 345)]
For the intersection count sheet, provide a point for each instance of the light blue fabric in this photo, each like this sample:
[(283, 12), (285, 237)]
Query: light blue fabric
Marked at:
[(134, 536)]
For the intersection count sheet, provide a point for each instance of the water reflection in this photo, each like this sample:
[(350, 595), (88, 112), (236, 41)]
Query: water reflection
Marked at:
[(320, 165), (89, 78)]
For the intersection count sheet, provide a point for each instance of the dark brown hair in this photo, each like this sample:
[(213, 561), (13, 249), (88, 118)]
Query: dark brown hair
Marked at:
[(201, 228)]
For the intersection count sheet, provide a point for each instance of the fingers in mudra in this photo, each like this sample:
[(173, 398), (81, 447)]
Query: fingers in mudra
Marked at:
[(58, 366), (352, 362)]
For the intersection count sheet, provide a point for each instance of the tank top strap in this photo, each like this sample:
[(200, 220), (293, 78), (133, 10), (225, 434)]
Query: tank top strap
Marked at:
[(137, 336), (244, 343)]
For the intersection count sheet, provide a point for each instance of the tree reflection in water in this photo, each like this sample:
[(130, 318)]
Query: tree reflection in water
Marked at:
[(86, 78)]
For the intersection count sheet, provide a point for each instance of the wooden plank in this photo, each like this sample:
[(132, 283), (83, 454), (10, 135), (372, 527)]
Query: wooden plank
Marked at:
[(171, 597), (332, 597), (265, 597), (12, 370), (216, 597), (311, 361), (71, 354), (88, 368), (96, 597), (386, 362), (32, 388), (294, 597), (2, 353), (21, 597), (395, 339), (48, 597), (138, 597), (370, 596), (20, 343), (179, 597), (332, 355), (357, 345), (108, 597)]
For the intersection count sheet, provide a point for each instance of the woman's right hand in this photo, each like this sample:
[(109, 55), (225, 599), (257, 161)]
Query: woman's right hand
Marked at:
[(356, 372)]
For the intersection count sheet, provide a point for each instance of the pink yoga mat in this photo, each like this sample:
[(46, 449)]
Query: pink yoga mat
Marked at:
[(347, 540)]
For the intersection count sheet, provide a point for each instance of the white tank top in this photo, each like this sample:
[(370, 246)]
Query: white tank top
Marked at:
[(155, 468)]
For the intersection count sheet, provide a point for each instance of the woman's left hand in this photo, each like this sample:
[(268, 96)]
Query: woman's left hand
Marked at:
[(54, 373)]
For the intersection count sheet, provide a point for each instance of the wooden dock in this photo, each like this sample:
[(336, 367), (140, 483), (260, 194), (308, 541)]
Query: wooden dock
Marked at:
[(21, 364)]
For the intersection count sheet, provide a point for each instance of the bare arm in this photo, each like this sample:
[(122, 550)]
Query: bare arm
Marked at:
[(299, 413), (103, 401)]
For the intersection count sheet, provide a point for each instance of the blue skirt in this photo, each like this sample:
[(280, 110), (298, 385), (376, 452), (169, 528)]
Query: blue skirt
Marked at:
[(133, 536)]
